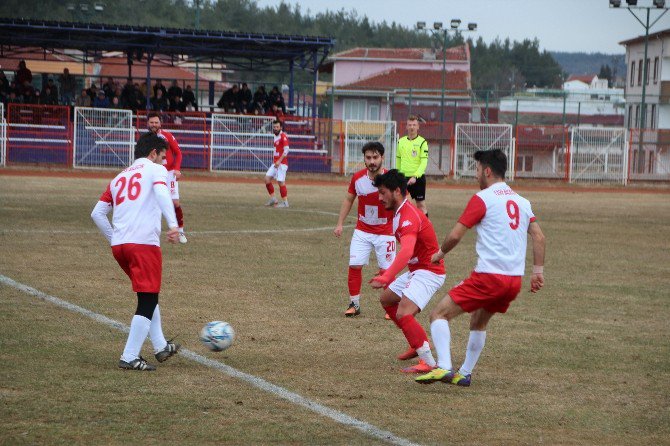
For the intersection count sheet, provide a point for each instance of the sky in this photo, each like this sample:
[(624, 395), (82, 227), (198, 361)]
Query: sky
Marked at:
[(560, 25)]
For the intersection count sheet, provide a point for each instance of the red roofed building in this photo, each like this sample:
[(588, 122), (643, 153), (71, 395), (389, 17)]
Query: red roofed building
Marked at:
[(368, 82)]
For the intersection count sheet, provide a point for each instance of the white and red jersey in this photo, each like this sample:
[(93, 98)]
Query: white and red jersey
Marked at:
[(502, 218), (137, 212), (373, 218), (410, 220), (173, 154), (281, 147)]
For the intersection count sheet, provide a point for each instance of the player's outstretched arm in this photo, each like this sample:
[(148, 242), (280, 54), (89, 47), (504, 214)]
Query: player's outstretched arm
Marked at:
[(407, 243), (537, 276), (450, 242), (99, 216), (345, 208)]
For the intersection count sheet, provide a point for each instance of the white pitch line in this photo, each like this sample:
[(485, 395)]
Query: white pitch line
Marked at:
[(333, 414), (217, 232)]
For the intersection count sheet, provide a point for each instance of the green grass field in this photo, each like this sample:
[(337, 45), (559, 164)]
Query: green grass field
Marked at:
[(585, 361)]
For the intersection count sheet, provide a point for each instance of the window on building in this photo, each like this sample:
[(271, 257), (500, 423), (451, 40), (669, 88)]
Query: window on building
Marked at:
[(355, 109), (632, 73), (637, 116), (656, 70), (630, 115), (373, 112), (639, 72), (646, 72), (653, 116)]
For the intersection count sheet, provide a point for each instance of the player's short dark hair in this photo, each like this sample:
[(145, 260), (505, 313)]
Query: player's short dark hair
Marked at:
[(494, 159), (373, 146), (392, 180), (148, 142), (277, 121), (413, 118), (153, 114)]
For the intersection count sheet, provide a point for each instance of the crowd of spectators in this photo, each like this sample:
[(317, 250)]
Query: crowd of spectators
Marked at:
[(240, 100), (134, 95)]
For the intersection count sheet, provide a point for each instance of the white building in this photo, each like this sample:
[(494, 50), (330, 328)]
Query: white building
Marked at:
[(657, 83)]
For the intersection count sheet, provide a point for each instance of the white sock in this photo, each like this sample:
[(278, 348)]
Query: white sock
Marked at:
[(474, 349), (425, 354), (439, 330), (139, 329), (356, 300), (181, 231), (156, 331)]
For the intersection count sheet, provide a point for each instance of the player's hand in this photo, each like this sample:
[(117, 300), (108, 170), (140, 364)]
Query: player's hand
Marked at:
[(439, 255), (277, 164), (536, 282), (177, 174), (379, 282), (338, 231), (411, 181), (173, 235)]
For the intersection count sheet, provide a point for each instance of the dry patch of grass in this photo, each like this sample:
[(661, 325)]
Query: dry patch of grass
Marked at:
[(585, 361)]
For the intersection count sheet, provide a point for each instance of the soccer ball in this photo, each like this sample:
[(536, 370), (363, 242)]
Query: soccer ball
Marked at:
[(217, 335)]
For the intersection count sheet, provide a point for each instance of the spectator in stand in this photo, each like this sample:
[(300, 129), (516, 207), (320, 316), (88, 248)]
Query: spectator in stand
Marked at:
[(47, 97), (276, 112), (37, 99), (276, 98), (260, 100), (109, 87), (4, 83), (23, 74), (230, 100), (177, 105), (92, 92), (50, 97), (101, 100), (13, 98), (68, 86), (160, 102), (159, 86), (83, 100), (116, 103), (174, 91), (140, 98), (28, 93), (189, 98), (246, 99)]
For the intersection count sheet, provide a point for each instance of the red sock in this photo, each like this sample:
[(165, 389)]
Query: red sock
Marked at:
[(180, 216), (391, 310), (270, 188), (413, 331), (283, 192), (355, 279)]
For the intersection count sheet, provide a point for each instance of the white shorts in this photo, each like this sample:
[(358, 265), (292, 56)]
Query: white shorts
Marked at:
[(279, 173), (173, 185), (418, 286), (362, 244)]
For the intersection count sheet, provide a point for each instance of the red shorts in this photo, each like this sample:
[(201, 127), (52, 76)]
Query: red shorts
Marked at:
[(143, 264), (492, 292)]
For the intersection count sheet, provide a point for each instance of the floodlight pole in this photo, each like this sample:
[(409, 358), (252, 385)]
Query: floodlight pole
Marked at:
[(197, 68)]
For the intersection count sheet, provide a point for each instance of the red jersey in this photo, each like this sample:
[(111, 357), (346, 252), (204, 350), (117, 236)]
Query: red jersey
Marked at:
[(373, 218), (173, 155), (281, 147), (410, 220)]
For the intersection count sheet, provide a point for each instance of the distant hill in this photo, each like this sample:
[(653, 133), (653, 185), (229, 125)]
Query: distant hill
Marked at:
[(590, 63)]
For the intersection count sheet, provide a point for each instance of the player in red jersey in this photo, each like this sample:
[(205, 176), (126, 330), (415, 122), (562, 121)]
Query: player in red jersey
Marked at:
[(278, 168), (172, 163), (374, 225), (138, 195), (502, 219), (403, 298)]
